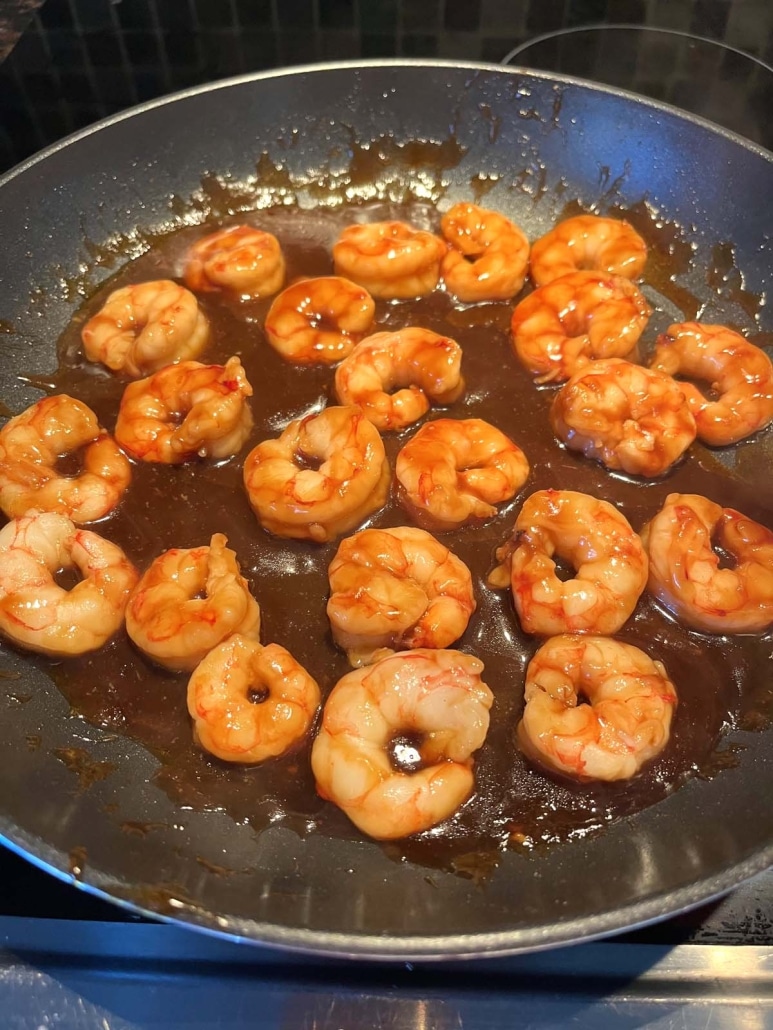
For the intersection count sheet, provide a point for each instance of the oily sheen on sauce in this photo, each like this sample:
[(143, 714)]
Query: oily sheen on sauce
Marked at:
[(719, 680)]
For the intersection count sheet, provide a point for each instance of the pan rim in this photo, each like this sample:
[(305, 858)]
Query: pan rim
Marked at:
[(467, 947), (392, 62)]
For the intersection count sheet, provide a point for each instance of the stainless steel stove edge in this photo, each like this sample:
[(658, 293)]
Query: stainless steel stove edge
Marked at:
[(116, 976)]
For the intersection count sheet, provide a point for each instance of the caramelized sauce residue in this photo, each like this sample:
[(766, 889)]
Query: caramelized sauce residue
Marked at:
[(719, 680)]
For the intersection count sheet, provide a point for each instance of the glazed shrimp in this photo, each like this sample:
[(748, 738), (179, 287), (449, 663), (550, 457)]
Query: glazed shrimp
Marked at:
[(141, 328), (392, 260), (240, 259), (685, 574), (582, 316), (627, 417), (588, 242), (31, 443), (396, 588), (488, 254), (39, 615), (437, 695), (395, 377), (249, 703), (596, 709), (188, 602), (597, 540), (740, 373), (454, 471), (186, 411), (318, 321), (348, 480)]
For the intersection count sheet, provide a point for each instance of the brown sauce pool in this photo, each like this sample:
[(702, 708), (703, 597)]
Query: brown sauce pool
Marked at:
[(721, 681)]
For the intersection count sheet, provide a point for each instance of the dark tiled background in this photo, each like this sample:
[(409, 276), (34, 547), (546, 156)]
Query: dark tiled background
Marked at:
[(79, 60)]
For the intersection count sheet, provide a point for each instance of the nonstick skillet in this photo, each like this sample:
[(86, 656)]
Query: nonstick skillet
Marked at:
[(82, 802)]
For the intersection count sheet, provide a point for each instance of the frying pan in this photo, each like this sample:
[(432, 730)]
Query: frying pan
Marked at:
[(539, 139)]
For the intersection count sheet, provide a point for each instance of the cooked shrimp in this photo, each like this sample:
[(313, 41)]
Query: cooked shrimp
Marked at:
[(141, 328), (437, 696), (421, 368), (396, 588), (318, 321), (596, 709), (685, 573), (249, 703), (487, 257), (188, 602), (453, 471), (186, 411), (30, 444), (588, 242), (625, 416), (740, 373), (392, 260), (35, 612), (347, 481), (562, 326), (241, 259), (597, 540)]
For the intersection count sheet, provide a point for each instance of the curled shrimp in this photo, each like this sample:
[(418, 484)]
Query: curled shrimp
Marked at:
[(438, 696), (627, 417), (31, 443), (248, 702), (487, 257), (740, 373), (396, 588), (570, 321), (39, 615), (188, 602), (685, 573), (596, 709), (454, 471), (395, 377), (240, 259), (324, 475), (588, 242), (392, 260), (141, 328), (597, 540), (318, 321), (186, 411)]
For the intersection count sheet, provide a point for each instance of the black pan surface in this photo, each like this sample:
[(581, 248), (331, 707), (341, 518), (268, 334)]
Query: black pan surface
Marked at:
[(68, 791)]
